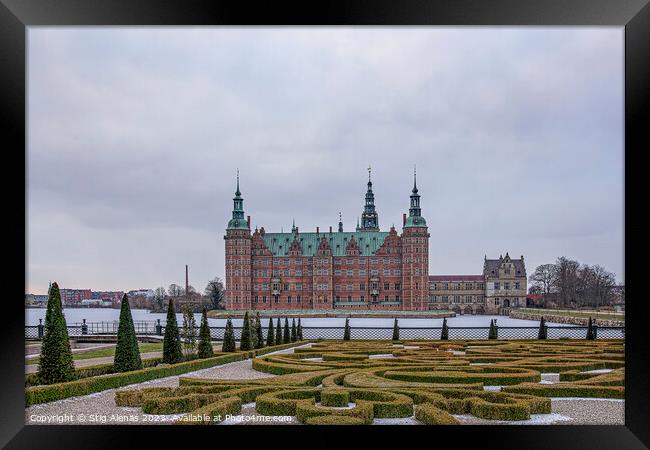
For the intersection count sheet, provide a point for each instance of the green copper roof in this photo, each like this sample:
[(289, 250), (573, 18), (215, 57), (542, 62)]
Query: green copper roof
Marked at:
[(237, 224), (368, 241), (415, 221)]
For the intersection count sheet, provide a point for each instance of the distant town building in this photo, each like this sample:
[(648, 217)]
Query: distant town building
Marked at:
[(147, 293), (35, 300), (75, 296), (114, 297), (96, 302)]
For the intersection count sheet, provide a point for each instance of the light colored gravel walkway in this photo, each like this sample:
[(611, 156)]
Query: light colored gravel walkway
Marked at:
[(99, 408)]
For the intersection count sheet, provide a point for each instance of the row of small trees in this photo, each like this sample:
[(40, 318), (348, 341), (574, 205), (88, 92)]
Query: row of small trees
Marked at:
[(252, 335)]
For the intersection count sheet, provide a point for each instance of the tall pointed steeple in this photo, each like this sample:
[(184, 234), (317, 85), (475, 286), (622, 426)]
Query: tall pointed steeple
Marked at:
[(415, 218), (238, 221), (340, 223), (369, 218)]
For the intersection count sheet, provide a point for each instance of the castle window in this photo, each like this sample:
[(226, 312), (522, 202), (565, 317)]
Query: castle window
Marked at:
[(517, 285), (256, 299), (350, 273), (349, 298), (362, 298), (397, 298), (289, 299), (497, 301), (506, 286), (362, 286), (496, 285), (386, 286), (398, 286), (386, 298), (298, 299)]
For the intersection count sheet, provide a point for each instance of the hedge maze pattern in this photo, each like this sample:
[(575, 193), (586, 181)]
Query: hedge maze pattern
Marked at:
[(355, 382)]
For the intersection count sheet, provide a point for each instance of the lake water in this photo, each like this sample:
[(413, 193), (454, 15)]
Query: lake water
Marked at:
[(76, 316)]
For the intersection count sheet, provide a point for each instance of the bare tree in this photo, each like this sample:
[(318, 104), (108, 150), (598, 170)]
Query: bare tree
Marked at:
[(544, 279), (567, 280), (175, 290), (159, 297)]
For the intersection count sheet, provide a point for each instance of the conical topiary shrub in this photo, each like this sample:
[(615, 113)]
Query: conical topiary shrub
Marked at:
[(294, 332), (205, 341), (252, 321), (590, 331), (55, 363), (270, 335), (346, 331), (299, 331), (172, 352), (493, 330), (395, 331), (258, 331), (286, 335), (444, 334), (278, 333), (245, 340), (542, 329), (127, 353), (228, 338)]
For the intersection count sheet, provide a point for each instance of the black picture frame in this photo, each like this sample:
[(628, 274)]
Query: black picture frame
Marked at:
[(17, 15)]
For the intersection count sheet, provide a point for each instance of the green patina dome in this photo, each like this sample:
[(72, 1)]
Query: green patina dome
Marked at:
[(237, 224), (415, 221)]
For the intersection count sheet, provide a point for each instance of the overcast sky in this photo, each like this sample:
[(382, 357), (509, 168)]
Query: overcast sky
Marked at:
[(135, 134)]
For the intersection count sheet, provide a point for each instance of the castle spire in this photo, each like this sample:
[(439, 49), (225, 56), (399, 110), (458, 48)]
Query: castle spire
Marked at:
[(238, 221), (415, 218), (369, 218), (415, 185), (340, 223)]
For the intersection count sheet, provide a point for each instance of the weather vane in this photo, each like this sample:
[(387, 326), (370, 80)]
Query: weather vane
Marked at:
[(368, 172)]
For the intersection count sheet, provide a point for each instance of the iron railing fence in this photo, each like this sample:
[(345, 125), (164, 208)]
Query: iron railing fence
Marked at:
[(154, 328)]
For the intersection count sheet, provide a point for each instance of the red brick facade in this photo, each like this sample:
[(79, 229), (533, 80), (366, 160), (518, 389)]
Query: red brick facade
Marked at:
[(365, 269)]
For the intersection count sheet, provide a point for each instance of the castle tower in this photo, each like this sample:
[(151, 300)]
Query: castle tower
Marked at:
[(415, 256), (369, 218), (238, 256)]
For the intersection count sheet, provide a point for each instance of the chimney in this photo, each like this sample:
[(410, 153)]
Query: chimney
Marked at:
[(248, 221), (317, 230), (403, 219), (187, 280), (330, 228)]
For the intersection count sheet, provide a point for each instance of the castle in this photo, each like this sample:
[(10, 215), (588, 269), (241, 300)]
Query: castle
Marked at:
[(364, 269)]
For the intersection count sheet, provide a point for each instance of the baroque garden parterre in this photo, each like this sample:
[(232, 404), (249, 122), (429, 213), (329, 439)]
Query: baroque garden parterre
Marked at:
[(355, 382)]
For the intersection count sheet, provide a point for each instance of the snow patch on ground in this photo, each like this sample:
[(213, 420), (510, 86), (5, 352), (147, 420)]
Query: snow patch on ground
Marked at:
[(481, 364), (599, 371), (492, 388), (350, 406), (312, 359)]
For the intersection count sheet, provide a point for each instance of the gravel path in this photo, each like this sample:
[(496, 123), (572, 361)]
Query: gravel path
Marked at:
[(99, 408)]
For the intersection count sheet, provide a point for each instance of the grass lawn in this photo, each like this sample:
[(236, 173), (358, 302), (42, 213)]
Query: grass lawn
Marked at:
[(575, 313), (145, 347)]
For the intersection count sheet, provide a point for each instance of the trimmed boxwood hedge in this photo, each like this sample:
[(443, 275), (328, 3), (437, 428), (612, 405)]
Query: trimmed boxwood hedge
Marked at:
[(428, 414), (385, 404), (52, 392), (567, 390), (334, 397), (283, 403), (334, 420), (306, 409), (212, 413)]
